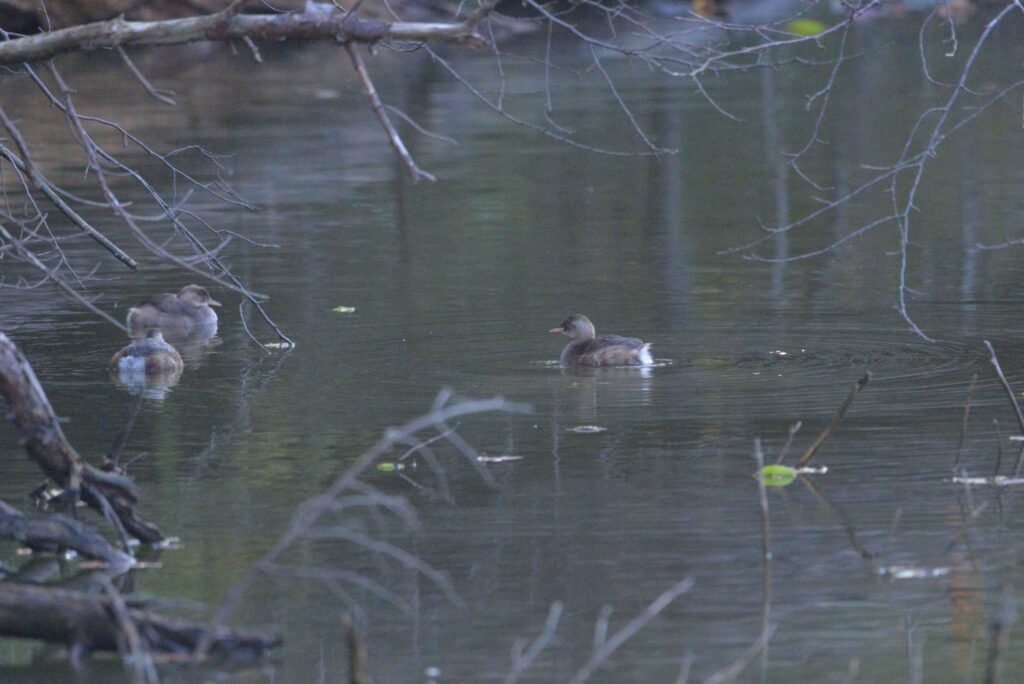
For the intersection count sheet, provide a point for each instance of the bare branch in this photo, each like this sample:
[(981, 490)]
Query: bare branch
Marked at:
[(606, 649), (315, 22), (385, 121)]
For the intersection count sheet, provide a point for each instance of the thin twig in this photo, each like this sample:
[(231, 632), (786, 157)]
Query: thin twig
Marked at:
[(999, 635), (523, 656), (1006, 385), (382, 115), (766, 535), (601, 654), (161, 95), (793, 429), (734, 670), (834, 423), (963, 423), (358, 660)]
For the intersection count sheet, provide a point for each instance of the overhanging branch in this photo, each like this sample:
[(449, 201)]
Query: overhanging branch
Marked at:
[(316, 22)]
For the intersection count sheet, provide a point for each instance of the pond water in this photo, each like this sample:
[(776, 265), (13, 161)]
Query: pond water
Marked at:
[(454, 285)]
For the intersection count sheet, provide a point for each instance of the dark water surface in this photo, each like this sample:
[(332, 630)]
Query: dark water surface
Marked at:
[(455, 283)]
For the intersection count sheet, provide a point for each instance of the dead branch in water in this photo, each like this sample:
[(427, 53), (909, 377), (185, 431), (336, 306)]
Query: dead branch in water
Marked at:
[(88, 622), (834, 423), (41, 434), (57, 533)]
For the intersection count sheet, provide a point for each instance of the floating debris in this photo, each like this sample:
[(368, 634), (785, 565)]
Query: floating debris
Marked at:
[(587, 429), (778, 475), (911, 572), (781, 475), (997, 481), (344, 309), (498, 459)]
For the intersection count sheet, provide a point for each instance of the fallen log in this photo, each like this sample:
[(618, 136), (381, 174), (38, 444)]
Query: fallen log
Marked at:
[(87, 622), (43, 439), (56, 533)]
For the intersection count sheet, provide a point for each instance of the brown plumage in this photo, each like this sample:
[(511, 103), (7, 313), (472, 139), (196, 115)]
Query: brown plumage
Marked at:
[(185, 312), (587, 349), (150, 355)]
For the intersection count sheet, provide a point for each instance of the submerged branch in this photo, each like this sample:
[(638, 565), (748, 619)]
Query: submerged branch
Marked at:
[(54, 533), (87, 622)]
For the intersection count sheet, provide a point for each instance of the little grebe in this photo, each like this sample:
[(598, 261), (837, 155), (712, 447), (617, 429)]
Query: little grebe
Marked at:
[(186, 311), (150, 355), (587, 349)]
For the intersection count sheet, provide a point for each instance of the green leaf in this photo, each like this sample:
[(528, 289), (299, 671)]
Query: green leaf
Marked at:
[(778, 475), (344, 309), (806, 27)]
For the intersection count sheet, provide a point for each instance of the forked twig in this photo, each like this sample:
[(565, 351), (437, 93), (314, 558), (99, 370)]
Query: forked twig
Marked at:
[(604, 651)]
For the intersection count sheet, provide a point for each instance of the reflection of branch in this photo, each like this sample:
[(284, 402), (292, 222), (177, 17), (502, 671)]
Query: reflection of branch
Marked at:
[(848, 528), (315, 22)]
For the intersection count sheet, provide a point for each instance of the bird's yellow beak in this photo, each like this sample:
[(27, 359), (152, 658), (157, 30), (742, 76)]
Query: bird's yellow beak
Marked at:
[(556, 330), (213, 302)]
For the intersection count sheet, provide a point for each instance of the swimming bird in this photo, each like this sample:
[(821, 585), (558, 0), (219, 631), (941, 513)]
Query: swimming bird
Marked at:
[(187, 311), (587, 349), (150, 355)]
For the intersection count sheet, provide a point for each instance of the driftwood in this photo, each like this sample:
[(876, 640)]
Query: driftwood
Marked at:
[(58, 532), (87, 622), (31, 413)]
